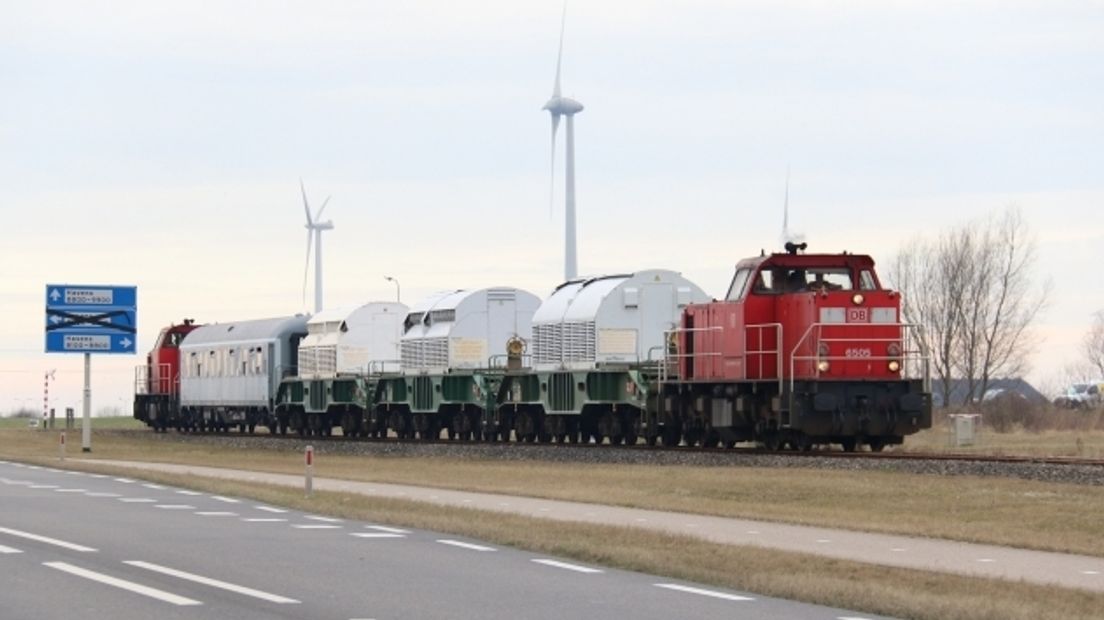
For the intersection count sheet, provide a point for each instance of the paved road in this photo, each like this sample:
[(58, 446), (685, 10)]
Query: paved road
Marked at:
[(1068, 570), (93, 546)]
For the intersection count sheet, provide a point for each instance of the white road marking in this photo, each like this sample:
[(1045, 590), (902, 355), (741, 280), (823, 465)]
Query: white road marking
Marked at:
[(1090, 572), (384, 528), (214, 583), (216, 514), (271, 509), (49, 541), (323, 519), (70, 490), (266, 520), (228, 500), (986, 560), (102, 494), (99, 476), (898, 549), (175, 507), (124, 480), (753, 532), (6, 550), (137, 500), (566, 566), (376, 535), (301, 526), (160, 595), (466, 501), (150, 485), (464, 545), (43, 486), (188, 493), (823, 541), (710, 593)]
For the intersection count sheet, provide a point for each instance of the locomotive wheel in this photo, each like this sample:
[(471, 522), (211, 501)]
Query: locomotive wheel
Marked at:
[(877, 444), (651, 440), (849, 444)]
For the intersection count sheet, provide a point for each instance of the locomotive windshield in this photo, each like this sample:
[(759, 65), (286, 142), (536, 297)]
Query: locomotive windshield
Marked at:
[(778, 279)]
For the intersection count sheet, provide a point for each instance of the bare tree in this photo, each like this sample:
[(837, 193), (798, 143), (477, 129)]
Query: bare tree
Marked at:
[(972, 290), (1094, 344), (923, 267)]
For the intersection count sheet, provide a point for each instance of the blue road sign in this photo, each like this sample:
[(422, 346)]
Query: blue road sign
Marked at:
[(91, 319)]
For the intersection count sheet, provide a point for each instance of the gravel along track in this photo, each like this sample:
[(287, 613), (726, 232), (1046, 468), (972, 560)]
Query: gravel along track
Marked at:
[(1068, 473)]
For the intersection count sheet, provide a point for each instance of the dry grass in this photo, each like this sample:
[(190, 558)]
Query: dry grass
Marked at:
[(1036, 515), (850, 585), (1061, 433)]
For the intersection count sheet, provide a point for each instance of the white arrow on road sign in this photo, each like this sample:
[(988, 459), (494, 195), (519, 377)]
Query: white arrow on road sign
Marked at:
[(54, 295), (126, 342)]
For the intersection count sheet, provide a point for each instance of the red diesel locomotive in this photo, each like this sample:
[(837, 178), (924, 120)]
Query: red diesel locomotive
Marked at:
[(805, 349), (157, 384)]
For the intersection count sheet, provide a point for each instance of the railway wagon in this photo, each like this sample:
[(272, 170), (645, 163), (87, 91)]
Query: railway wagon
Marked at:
[(597, 345), (230, 372), (341, 358), (453, 354), (157, 382), (805, 349)]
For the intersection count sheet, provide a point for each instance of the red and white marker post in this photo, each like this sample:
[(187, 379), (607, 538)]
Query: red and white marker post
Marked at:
[(310, 470)]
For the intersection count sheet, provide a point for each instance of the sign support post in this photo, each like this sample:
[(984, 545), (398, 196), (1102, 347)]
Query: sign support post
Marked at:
[(86, 430)]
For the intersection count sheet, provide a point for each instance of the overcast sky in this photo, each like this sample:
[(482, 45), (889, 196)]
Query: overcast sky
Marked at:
[(161, 144)]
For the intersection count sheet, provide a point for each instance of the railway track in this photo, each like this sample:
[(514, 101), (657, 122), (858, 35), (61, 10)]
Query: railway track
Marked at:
[(1053, 469)]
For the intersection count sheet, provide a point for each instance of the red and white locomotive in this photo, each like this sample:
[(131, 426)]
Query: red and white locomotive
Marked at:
[(805, 349), (157, 384)]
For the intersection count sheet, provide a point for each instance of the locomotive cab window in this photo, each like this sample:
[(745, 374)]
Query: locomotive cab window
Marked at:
[(867, 281), (764, 283), (829, 280), (739, 283)]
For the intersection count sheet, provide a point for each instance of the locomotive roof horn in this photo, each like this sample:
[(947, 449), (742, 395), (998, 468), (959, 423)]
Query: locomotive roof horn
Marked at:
[(793, 248)]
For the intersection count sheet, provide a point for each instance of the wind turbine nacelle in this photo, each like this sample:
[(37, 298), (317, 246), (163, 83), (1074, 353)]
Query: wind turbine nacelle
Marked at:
[(563, 105)]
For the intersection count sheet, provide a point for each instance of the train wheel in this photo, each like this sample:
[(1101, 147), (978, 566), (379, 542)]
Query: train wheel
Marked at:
[(877, 444), (849, 444)]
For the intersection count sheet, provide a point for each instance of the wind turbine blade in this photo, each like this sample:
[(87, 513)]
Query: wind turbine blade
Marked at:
[(559, 55), (318, 216), (552, 170), (306, 206), (786, 209), (306, 266)]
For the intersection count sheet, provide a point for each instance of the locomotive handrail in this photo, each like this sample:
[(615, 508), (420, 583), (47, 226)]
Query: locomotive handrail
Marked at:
[(777, 351), (907, 352), (677, 355)]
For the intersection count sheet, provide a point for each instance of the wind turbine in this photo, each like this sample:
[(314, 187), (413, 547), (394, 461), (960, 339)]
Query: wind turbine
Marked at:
[(559, 106), (316, 227), (787, 236)]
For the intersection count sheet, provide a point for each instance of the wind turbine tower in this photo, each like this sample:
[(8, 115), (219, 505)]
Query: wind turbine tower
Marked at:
[(559, 106), (316, 227)]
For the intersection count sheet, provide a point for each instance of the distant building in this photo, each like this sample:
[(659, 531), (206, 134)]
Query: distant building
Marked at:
[(959, 394)]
